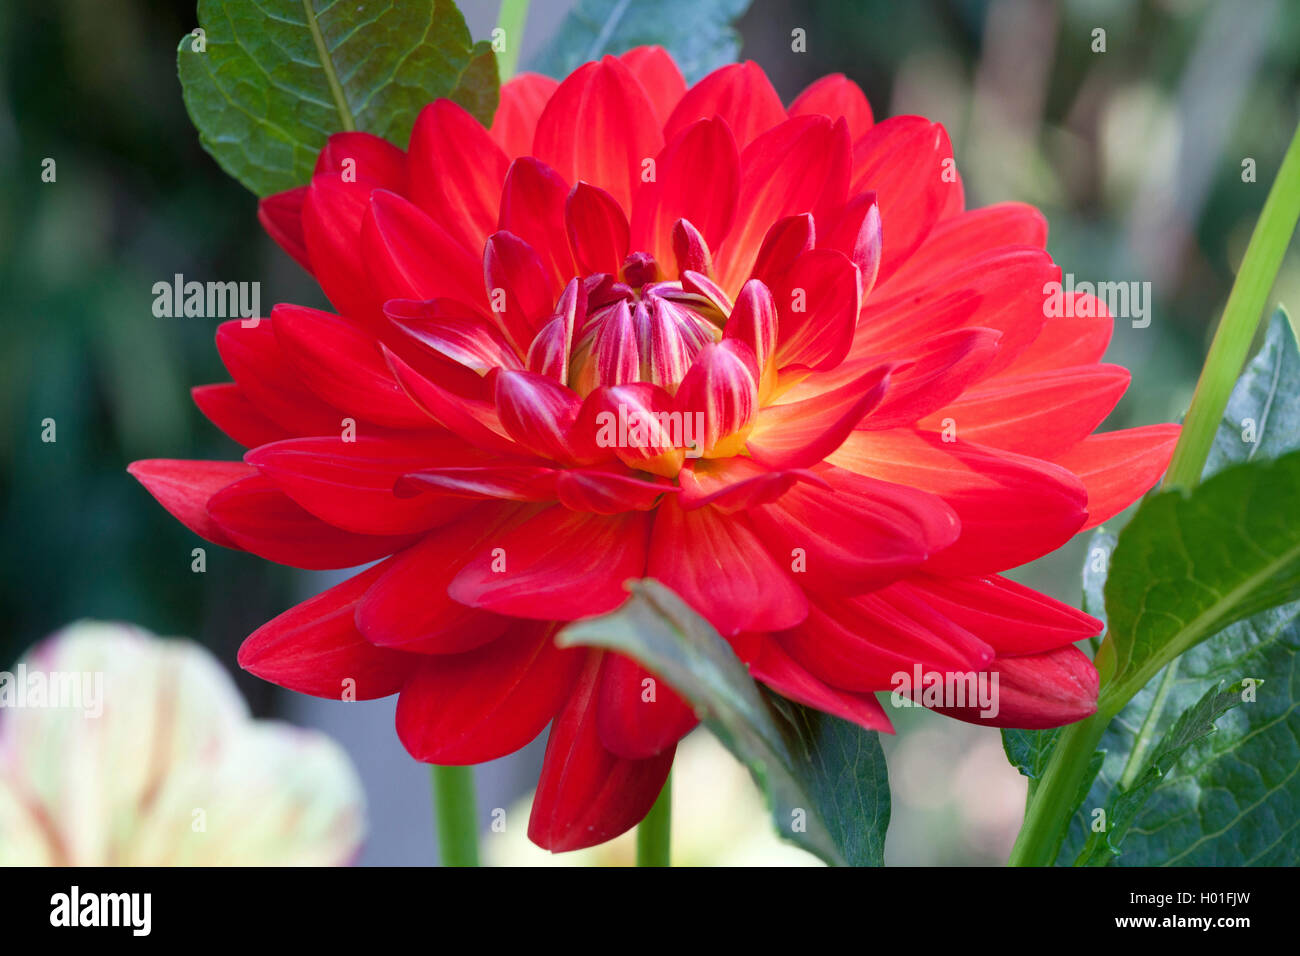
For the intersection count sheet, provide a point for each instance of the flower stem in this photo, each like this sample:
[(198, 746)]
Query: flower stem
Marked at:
[(653, 833), (511, 19), (1241, 316), (1058, 792), (456, 814)]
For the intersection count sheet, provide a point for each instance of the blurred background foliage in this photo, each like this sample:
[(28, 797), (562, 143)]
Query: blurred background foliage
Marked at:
[(1134, 154)]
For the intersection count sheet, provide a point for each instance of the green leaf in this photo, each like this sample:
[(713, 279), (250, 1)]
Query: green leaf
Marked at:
[(1100, 547), (698, 33), (824, 778), (1190, 564), (1195, 723), (1262, 417), (277, 77), (1234, 797), (1029, 750)]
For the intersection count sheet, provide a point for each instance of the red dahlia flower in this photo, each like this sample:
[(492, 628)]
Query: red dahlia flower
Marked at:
[(763, 355)]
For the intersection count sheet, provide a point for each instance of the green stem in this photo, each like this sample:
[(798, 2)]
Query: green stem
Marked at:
[(456, 814), (1241, 317), (511, 20), (653, 833), (1058, 792)]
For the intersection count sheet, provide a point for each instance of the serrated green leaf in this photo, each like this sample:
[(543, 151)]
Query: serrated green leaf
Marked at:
[(824, 778), (1195, 723), (1029, 750), (277, 77), (1190, 564), (698, 34), (1234, 797)]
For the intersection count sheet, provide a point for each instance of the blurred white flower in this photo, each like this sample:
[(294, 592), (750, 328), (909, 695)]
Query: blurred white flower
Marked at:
[(719, 819), (172, 772)]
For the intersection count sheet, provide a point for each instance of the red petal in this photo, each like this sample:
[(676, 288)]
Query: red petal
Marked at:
[(599, 127), (409, 608), (945, 368), (818, 299), (781, 672), (522, 101), (344, 366), (954, 242), (261, 518), (332, 216), (281, 216), (1064, 342), (409, 256), (800, 434), (268, 382), (735, 484), (532, 208), (797, 167), (615, 352), (753, 320), (1038, 691), (702, 152), (472, 416), (598, 230), (1002, 290), (721, 389), (659, 77), (639, 716), (508, 481), (350, 484), (469, 708), (1042, 414), (560, 565), (1119, 467), (539, 413), (690, 250), (1010, 617), (835, 96), (862, 644), (454, 331), (185, 487), (519, 289), (315, 648), (227, 408), (855, 534), (586, 795), (739, 93), (552, 348), (607, 493), (641, 407), (1012, 508), (857, 233), (785, 242), (457, 172), (719, 566), (908, 162), (366, 157)]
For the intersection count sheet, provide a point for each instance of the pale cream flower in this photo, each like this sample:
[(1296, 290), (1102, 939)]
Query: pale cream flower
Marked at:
[(172, 772)]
